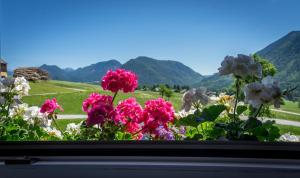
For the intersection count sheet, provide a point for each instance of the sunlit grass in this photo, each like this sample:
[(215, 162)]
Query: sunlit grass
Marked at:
[(71, 100)]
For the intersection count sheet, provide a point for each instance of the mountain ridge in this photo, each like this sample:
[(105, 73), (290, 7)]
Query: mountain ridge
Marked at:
[(149, 70)]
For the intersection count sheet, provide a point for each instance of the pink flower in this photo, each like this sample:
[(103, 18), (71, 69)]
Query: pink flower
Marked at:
[(50, 106), (157, 113), (95, 98), (99, 109), (99, 113), (129, 114), (120, 80)]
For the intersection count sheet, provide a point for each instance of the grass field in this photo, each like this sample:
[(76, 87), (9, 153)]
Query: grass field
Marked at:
[(290, 106), (286, 116), (71, 95)]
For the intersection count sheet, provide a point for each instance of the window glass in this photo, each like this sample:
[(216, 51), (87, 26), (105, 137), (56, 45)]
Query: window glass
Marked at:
[(175, 70)]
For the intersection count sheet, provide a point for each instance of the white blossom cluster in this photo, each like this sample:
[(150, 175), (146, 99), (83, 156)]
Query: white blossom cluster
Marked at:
[(30, 114), (53, 132), (73, 128), (266, 92), (18, 85), (194, 96), (6, 84), (241, 66), (21, 86), (287, 137)]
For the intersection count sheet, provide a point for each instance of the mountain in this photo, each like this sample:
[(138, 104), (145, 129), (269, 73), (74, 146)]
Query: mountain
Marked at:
[(215, 82), (91, 73), (152, 71), (285, 55), (55, 72), (94, 72)]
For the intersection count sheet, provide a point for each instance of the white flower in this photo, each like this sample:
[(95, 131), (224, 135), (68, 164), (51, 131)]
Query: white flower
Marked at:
[(287, 137), (21, 86), (183, 113), (53, 132), (34, 116), (18, 110), (194, 96), (6, 84), (73, 128), (226, 65), (267, 92), (241, 66)]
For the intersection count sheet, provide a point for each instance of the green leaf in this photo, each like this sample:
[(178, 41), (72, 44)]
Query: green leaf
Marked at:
[(241, 109), (212, 112), (189, 120)]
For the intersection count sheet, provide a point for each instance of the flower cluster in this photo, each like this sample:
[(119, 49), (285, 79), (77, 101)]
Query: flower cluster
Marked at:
[(193, 97), (49, 106), (73, 129), (30, 114), (6, 84), (163, 133), (241, 66), (266, 92), (120, 80), (53, 132), (21, 86), (287, 137), (129, 115), (157, 113), (98, 108)]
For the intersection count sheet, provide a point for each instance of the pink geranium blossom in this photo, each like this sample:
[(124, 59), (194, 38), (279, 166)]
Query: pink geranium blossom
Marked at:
[(94, 99), (157, 113), (129, 114), (99, 113), (50, 106), (120, 79), (99, 108)]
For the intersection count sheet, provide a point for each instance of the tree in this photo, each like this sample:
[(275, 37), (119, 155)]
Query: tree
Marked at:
[(162, 90), (267, 67), (168, 93)]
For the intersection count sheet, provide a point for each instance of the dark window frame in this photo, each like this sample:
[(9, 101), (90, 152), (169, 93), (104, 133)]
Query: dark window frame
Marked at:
[(230, 149)]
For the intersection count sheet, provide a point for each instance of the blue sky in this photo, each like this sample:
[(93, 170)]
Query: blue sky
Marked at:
[(199, 33)]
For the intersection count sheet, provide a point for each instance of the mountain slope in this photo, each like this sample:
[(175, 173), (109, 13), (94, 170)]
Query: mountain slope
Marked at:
[(285, 55), (91, 73), (94, 72), (215, 82), (153, 71), (55, 72)]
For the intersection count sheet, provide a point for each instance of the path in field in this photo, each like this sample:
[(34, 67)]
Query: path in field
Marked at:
[(74, 89), (278, 121), (287, 112), (71, 116)]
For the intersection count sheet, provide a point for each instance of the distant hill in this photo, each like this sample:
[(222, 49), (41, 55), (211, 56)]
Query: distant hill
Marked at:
[(285, 55), (91, 73), (215, 82), (150, 71), (153, 71), (56, 73)]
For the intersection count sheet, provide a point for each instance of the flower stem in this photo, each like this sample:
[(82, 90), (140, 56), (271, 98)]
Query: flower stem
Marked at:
[(237, 86), (258, 111), (56, 125), (114, 97)]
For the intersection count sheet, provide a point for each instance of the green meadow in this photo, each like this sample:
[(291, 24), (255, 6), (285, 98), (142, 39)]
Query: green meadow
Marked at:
[(70, 95)]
